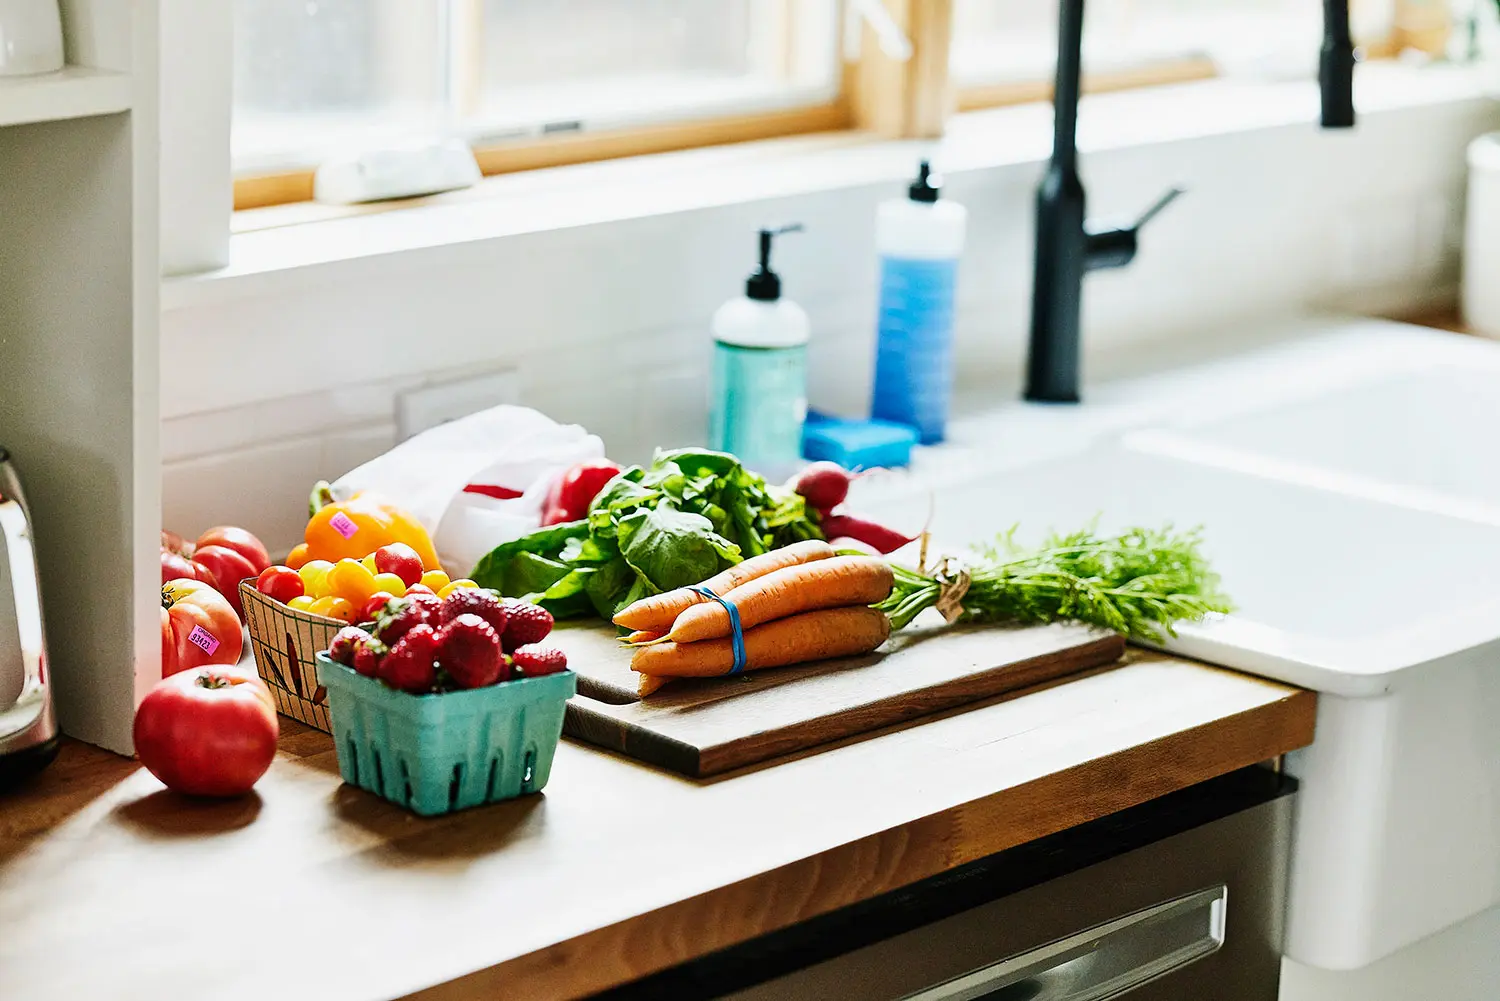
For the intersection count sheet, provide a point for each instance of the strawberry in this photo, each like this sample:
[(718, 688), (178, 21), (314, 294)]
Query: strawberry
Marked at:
[(401, 616), (373, 608), (476, 601), (411, 665), (469, 650), (345, 642), (367, 656), (400, 559), (525, 624), (534, 661)]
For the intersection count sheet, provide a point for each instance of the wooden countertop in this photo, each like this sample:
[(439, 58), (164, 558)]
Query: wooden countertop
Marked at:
[(112, 887)]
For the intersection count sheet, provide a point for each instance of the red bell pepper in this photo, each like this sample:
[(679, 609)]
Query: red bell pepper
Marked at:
[(575, 490)]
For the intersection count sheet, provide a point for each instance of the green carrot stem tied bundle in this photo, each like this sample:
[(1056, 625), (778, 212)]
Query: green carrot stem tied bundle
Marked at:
[(1140, 583)]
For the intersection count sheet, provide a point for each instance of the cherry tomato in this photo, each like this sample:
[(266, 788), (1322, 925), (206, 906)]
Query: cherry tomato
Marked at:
[(334, 607), (303, 603), (280, 583), (420, 589), (352, 581), (400, 559), (314, 574), (435, 580), (210, 731)]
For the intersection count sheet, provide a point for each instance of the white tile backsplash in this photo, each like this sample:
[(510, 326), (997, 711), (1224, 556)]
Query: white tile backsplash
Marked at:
[(264, 488), (607, 323)]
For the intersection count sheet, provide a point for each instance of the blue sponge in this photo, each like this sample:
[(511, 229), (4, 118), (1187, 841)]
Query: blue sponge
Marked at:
[(857, 444)]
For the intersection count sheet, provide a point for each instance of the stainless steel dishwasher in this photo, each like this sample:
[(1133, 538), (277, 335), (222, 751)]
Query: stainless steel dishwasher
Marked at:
[(1179, 899)]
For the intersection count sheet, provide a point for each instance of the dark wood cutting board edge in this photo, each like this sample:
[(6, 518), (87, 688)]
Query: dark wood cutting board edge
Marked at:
[(644, 729)]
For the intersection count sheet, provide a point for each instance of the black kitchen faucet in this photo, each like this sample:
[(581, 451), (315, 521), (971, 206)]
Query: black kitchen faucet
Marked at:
[(1067, 247)]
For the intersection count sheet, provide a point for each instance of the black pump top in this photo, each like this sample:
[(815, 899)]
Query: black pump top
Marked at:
[(927, 186), (765, 284)]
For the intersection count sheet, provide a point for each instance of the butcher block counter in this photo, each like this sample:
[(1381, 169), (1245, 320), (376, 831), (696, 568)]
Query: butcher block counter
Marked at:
[(112, 887)]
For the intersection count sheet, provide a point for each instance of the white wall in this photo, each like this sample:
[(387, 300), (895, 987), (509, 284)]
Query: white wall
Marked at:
[(274, 379), (1461, 963)]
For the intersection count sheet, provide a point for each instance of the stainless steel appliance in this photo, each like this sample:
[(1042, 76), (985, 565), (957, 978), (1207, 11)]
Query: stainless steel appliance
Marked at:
[(1179, 899), (28, 724)]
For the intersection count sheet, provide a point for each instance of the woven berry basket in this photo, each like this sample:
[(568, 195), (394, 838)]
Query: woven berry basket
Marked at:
[(286, 645), (434, 754)]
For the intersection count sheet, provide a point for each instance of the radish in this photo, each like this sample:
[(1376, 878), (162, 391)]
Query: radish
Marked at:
[(824, 485), (884, 540)]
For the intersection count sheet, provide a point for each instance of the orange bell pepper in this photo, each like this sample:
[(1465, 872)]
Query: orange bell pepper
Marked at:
[(355, 528)]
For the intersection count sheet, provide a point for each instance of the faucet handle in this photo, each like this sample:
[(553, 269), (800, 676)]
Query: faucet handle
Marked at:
[(1115, 248), (1167, 198)]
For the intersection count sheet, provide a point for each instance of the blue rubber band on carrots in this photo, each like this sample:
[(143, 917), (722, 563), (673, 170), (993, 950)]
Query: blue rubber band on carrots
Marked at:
[(736, 631)]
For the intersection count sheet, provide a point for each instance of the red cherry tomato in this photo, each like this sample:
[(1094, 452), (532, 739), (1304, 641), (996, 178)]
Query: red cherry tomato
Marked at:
[(280, 583), (197, 627), (420, 589), (207, 732), (228, 568), (400, 559), (240, 541)]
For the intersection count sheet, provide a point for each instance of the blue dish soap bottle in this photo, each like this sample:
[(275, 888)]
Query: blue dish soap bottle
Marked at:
[(920, 239), (759, 400)]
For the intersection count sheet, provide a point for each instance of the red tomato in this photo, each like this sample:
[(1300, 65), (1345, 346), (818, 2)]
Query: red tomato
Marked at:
[(228, 568), (280, 583), (177, 567), (207, 732), (400, 559), (575, 490), (171, 542), (241, 542), (197, 627)]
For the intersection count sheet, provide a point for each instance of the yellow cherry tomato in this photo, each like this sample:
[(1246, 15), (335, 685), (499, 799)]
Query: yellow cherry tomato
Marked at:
[(436, 579), (457, 585), (323, 606), (369, 563), (349, 579), (314, 574), (302, 603), (390, 582), (342, 608)]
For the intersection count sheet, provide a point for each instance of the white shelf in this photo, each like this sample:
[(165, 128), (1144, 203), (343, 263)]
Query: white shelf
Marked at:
[(72, 92)]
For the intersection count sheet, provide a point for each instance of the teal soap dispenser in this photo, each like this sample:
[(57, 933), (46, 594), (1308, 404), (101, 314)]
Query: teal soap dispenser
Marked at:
[(759, 397)]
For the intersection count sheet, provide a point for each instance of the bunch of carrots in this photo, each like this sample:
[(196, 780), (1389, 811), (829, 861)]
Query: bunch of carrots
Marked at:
[(801, 603)]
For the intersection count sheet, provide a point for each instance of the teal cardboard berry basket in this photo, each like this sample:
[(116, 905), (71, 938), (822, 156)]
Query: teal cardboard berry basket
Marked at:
[(434, 754)]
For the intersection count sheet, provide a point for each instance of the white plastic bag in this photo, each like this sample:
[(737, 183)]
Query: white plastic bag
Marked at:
[(476, 482)]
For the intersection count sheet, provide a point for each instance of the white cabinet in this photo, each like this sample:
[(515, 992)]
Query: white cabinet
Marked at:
[(79, 372)]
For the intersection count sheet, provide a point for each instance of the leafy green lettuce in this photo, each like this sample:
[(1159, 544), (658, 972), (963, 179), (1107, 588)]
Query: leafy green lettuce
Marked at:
[(681, 520)]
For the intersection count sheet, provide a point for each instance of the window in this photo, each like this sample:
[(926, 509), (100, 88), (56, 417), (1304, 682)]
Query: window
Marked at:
[(313, 77), (533, 83)]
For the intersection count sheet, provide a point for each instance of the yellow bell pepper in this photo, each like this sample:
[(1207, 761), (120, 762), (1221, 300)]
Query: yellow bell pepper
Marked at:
[(354, 528)]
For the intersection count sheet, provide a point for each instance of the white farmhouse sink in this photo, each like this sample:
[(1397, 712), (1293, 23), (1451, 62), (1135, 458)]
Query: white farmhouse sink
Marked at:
[(1349, 489)]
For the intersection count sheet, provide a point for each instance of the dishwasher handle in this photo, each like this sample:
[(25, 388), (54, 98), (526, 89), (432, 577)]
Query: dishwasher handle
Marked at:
[(1101, 962)]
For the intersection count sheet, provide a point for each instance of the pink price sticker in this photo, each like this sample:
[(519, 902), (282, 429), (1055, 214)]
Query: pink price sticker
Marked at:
[(203, 640), (343, 524)]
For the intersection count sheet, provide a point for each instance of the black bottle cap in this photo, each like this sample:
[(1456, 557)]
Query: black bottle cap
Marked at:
[(927, 186), (764, 284)]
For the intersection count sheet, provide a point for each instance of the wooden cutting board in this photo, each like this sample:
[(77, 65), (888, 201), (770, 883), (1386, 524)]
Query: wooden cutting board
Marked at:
[(705, 726)]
